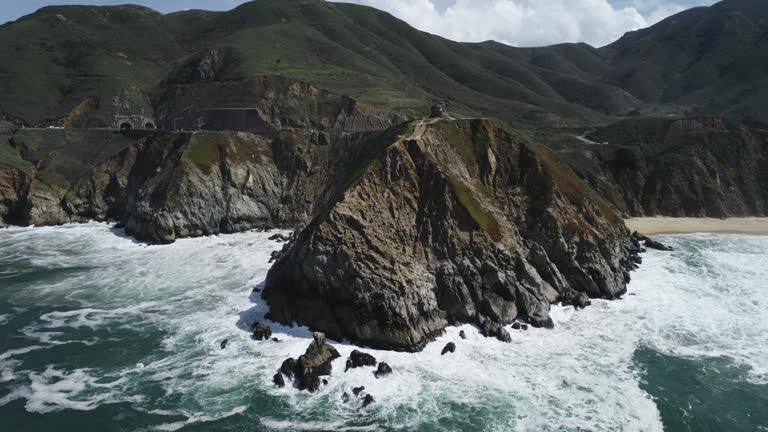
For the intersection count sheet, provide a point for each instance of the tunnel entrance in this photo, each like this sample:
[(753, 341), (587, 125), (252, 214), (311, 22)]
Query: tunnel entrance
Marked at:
[(149, 125), (125, 126)]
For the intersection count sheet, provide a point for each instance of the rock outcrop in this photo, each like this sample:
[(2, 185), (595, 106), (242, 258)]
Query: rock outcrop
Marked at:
[(360, 359), (696, 167), (313, 364), (450, 347), (461, 221), (166, 185)]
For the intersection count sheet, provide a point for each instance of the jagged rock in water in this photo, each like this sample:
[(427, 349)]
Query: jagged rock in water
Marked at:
[(288, 367), (449, 348), (653, 244), (490, 328), (279, 238), (357, 390), (261, 331), (315, 362), (516, 325), (579, 300), (359, 359), (367, 400), (224, 343), (462, 334), (462, 219), (279, 380), (383, 370)]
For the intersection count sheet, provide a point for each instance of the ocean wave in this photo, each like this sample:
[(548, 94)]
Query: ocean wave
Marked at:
[(704, 299)]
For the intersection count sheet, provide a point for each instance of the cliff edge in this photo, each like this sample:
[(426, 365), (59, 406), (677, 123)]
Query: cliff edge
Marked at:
[(456, 221)]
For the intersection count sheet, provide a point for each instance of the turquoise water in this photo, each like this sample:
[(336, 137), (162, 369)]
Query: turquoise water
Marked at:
[(99, 332)]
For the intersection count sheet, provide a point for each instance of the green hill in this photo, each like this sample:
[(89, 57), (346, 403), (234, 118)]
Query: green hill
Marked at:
[(711, 60), (90, 66), (60, 56)]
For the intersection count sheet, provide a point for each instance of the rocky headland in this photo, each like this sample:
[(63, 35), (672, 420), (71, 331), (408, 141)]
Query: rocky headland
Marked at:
[(458, 221), (201, 123)]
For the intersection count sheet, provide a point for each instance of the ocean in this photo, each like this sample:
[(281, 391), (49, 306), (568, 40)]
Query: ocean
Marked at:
[(102, 333)]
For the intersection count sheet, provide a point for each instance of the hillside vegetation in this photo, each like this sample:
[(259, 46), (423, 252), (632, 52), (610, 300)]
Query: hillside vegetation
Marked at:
[(88, 66)]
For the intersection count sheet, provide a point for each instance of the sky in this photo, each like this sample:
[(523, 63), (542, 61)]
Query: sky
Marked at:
[(513, 22)]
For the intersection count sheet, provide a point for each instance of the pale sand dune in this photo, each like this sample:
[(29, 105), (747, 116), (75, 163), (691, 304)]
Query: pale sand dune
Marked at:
[(668, 225)]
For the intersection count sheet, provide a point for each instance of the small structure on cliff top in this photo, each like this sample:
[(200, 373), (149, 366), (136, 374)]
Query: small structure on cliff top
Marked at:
[(439, 110)]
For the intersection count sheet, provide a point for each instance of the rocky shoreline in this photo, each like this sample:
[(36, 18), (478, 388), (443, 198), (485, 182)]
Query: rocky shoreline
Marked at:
[(460, 222), (404, 231)]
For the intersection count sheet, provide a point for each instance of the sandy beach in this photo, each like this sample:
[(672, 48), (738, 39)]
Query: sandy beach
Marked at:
[(668, 225)]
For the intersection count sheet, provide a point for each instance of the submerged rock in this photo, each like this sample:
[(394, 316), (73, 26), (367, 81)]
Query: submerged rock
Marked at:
[(367, 400), (280, 238), (462, 334), (449, 348), (383, 370), (261, 331), (490, 328), (278, 380), (653, 244), (579, 300), (359, 359), (224, 343)]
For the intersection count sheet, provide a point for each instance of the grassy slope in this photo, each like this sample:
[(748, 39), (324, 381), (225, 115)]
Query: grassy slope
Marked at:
[(712, 60), (72, 53), (703, 59), (60, 56)]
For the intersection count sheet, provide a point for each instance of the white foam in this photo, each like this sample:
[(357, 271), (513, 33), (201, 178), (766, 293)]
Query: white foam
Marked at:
[(198, 418), (314, 426), (55, 390), (579, 375)]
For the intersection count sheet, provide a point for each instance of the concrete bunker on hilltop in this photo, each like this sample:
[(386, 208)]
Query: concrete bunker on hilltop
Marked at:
[(439, 110)]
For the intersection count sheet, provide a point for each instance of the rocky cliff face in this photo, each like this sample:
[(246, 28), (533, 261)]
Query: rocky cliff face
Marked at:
[(461, 221), (166, 185), (184, 185), (700, 166), (15, 174), (169, 186)]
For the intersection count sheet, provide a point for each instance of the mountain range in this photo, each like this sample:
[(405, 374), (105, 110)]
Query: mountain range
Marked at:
[(93, 66)]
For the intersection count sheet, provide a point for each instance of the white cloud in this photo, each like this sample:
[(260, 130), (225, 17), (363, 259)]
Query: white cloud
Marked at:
[(526, 22)]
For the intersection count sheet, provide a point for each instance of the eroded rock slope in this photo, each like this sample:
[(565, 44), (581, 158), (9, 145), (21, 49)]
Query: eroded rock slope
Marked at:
[(695, 166), (461, 221)]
